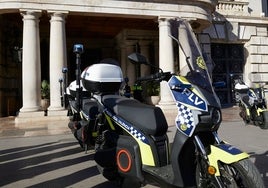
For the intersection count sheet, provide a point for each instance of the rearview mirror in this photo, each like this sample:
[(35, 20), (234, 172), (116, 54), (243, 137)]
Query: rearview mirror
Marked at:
[(137, 58)]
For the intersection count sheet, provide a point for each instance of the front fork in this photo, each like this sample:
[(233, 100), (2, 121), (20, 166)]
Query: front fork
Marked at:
[(204, 156), (201, 147)]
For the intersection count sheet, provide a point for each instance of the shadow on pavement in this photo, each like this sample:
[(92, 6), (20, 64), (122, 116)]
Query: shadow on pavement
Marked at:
[(262, 165), (22, 164)]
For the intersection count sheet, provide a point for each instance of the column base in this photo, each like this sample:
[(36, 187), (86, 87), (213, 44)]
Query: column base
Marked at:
[(30, 114), (55, 108), (30, 109), (58, 113), (37, 120), (29, 119)]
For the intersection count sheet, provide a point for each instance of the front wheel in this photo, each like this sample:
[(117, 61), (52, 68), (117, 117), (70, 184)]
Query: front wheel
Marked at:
[(241, 174), (262, 123)]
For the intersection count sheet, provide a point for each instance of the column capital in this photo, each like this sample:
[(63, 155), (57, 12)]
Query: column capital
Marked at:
[(58, 13), (29, 14), (58, 16), (164, 18)]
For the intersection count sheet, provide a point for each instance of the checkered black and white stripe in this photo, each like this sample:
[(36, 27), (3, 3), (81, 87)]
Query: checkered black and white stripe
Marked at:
[(137, 134), (185, 116)]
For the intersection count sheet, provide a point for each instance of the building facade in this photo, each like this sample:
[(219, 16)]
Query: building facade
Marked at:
[(37, 38), (237, 42)]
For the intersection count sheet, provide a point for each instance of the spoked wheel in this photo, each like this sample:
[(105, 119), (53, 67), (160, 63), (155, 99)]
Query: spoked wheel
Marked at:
[(241, 174)]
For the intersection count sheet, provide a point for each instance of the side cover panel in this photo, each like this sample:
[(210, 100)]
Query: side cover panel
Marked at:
[(128, 157)]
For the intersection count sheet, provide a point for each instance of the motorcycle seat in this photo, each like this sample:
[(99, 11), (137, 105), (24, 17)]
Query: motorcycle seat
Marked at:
[(91, 108), (74, 104), (242, 91), (148, 118)]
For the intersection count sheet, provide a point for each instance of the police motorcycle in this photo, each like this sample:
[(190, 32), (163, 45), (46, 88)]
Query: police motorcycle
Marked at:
[(81, 122), (252, 104), (132, 147), (82, 109)]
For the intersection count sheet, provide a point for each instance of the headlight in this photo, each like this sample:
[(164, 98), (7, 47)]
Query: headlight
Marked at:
[(209, 121)]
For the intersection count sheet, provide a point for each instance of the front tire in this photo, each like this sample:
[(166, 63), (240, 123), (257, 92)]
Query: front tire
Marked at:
[(262, 123), (241, 174)]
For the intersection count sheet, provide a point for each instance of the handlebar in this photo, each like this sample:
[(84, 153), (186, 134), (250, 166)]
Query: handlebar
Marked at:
[(157, 76), (148, 77)]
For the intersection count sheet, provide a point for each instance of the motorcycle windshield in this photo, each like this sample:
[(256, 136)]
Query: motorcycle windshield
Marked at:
[(192, 64)]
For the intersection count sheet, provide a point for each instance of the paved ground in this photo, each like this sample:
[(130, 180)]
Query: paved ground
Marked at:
[(47, 159)]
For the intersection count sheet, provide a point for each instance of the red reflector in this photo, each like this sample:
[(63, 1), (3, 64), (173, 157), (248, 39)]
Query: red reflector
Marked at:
[(124, 161)]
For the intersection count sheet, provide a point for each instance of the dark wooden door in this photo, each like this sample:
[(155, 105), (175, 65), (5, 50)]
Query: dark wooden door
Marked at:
[(229, 66)]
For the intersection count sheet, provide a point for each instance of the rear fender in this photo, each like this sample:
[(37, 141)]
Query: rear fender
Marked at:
[(225, 153)]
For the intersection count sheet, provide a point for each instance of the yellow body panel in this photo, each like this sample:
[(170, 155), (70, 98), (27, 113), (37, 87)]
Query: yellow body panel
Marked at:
[(218, 154), (259, 110), (146, 154), (247, 111), (110, 122), (145, 149)]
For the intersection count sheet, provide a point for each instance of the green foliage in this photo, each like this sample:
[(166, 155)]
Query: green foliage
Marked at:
[(152, 88), (45, 89)]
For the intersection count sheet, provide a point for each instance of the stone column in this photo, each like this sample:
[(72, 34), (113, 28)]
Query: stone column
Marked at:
[(57, 58), (166, 59), (31, 68)]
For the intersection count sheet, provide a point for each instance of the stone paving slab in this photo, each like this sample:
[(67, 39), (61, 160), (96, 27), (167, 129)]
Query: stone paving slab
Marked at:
[(9, 127), (49, 155), (58, 161)]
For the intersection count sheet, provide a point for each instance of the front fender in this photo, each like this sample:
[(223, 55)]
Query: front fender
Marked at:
[(225, 153), (262, 110)]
